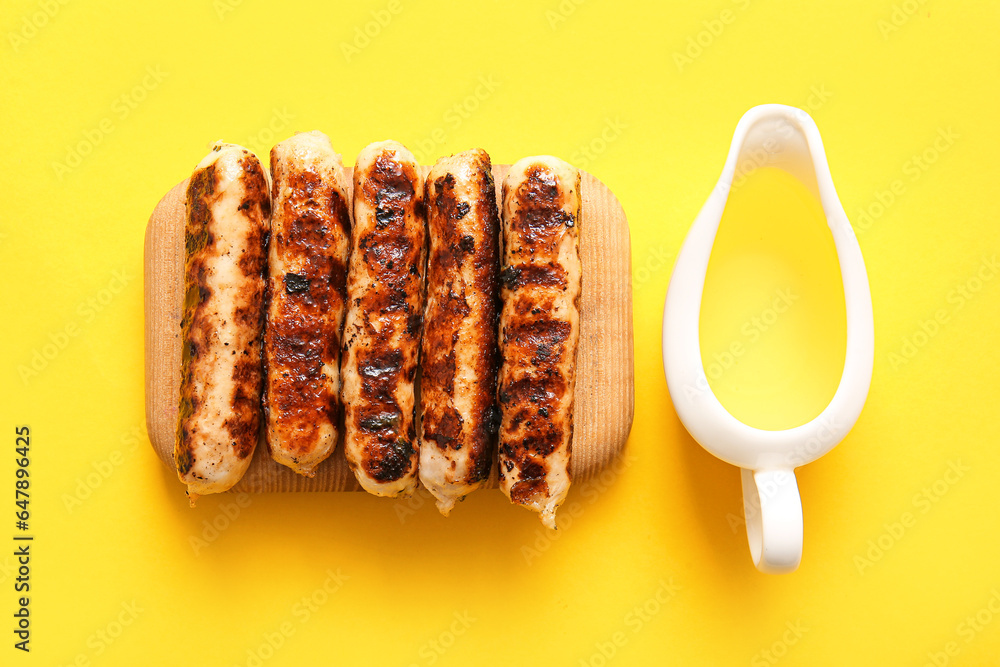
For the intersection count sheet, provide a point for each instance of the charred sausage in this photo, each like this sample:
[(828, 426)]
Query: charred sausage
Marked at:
[(310, 243), (383, 323), (459, 356), (228, 206), (539, 331)]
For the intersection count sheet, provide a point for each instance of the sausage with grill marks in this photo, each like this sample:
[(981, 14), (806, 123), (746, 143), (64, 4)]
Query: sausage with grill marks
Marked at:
[(310, 244), (383, 323), (459, 356), (539, 331), (227, 209)]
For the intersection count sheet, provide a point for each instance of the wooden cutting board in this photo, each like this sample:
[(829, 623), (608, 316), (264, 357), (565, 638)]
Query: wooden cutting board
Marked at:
[(604, 390)]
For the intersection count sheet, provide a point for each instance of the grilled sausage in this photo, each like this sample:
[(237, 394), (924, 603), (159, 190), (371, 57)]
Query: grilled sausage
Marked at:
[(310, 243), (459, 357), (539, 331), (228, 205), (382, 328)]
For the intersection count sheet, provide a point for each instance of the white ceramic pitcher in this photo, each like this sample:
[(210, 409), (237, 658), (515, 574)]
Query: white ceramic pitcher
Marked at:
[(771, 135)]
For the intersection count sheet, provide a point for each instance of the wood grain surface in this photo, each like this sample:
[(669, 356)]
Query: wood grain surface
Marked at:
[(604, 390)]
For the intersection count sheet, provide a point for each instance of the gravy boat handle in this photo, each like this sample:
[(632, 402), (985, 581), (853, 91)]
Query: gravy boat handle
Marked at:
[(773, 511)]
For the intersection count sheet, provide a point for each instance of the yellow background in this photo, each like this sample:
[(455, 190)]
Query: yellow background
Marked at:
[(651, 567)]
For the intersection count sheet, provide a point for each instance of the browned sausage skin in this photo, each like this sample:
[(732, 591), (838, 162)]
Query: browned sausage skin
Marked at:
[(383, 323), (539, 331), (459, 358), (228, 206), (310, 245)]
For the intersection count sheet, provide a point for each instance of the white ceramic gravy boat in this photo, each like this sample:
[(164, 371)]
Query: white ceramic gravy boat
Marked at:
[(780, 136)]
